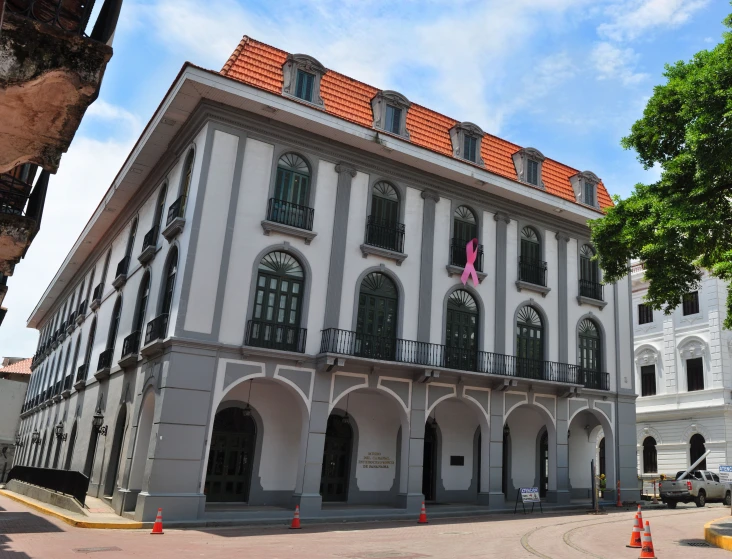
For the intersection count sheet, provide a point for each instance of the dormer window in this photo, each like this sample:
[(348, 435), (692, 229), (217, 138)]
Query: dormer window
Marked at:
[(301, 76), (390, 112), (466, 139), (585, 188), (528, 163)]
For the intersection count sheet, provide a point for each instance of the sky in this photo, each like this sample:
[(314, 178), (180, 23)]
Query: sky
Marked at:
[(568, 77)]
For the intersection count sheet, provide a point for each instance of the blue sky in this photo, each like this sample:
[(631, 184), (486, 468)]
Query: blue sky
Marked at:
[(568, 77)]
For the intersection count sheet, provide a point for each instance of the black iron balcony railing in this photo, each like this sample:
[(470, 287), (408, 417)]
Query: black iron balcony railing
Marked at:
[(276, 336), (176, 209), (131, 344), (69, 16), (105, 359), (82, 308), (459, 257), (72, 319), (81, 372), (68, 381), (290, 214), (14, 194), (57, 388), (150, 238), (591, 289), (3, 279), (386, 234), (156, 328), (123, 267), (62, 328), (98, 292), (344, 342), (532, 271)]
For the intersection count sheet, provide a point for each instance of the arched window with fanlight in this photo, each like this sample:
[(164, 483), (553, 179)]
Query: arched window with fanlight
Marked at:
[(131, 343), (464, 229), (650, 457), (383, 229), (589, 282), (589, 354), (105, 358), (178, 208), (376, 323), (290, 204), (529, 343), (157, 328), (278, 298), (461, 331), (532, 269)]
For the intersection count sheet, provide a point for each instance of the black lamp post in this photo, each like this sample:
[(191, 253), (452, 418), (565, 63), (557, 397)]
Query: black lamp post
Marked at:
[(60, 435), (97, 423), (36, 438)]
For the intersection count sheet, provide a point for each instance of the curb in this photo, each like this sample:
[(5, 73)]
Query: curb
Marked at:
[(69, 520), (715, 538)]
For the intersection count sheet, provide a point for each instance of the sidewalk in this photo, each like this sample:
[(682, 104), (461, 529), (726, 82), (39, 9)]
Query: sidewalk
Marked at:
[(719, 533)]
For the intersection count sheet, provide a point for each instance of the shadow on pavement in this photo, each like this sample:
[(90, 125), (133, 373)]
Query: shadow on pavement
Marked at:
[(25, 523), (7, 553)]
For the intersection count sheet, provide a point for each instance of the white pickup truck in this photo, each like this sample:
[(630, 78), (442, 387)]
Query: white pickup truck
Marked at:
[(700, 487)]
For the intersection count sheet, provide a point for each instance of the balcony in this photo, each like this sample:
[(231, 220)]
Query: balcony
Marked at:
[(3, 287), (58, 387), (105, 364), (155, 333), (422, 354), (532, 276), (591, 293), (384, 238), (120, 276), (130, 348), (290, 219), (52, 72), (81, 372), (176, 219), (459, 257), (81, 313), (71, 323), (149, 246), (68, 382), (97, 297), (275, 336)]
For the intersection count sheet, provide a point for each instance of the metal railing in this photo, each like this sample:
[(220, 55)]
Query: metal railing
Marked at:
[(98, 292), (385, 234), (123, 267), (156, 328), (150, 238), (131, 344), (275, 336), (68, 381), (459, 257), (290, 214), (71, 16), (82, 308), (105, 359), (72, 319), (176, 209), (532, 271), (591, 289), (14, 194), (345, 342), (81, 372), (69, 482)]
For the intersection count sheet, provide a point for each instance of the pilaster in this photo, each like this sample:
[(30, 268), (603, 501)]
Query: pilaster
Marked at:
[(426, 271), (562, 322), (502, 221)]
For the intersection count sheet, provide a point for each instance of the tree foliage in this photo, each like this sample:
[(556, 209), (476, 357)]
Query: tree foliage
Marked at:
[(682, 223)]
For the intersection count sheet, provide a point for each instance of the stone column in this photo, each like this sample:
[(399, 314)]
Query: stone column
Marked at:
[(496, 498), (412, 499), (346, 172), (560, 493), (562, 323), (502, 221), (426, 271)]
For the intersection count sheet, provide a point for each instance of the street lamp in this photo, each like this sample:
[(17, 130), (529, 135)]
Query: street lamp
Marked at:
[(36, 438), (18, 441), (97, 422), (60, 432)]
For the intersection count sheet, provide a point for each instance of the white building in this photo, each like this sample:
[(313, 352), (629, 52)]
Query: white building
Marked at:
[(684, 380), (266, 308), (14, 377)]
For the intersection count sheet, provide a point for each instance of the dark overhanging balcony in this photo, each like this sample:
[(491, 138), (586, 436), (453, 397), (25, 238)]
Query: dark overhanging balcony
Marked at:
[(427, 355), (290, 219)]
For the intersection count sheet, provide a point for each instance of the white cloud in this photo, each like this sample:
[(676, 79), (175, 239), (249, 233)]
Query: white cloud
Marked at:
[(102, 110), (615, 63), (629, 19)]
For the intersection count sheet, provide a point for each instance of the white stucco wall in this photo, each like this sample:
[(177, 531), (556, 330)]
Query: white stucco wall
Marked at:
[(525, 424), (457, 424)]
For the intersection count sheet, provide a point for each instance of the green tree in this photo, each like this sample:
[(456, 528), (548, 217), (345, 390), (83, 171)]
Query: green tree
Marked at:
[(683, 222)]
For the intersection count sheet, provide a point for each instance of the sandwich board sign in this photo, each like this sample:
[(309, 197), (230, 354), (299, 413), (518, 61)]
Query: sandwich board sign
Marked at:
[(725, 474), (528, 495)]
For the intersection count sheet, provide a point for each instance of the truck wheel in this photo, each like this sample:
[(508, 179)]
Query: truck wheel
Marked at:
[(701, 499), (671, 504), (728, 499)]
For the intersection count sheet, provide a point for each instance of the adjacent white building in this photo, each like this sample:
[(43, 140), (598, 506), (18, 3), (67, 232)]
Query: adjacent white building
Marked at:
[(683, 365), (266, 309)]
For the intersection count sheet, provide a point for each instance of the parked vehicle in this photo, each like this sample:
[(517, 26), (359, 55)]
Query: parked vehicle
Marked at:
[(700, 487)]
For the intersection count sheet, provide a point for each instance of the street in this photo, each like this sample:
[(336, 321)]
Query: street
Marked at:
[(25, 534)]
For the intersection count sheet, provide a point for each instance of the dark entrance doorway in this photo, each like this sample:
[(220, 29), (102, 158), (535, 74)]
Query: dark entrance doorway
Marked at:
[(429, 462), (506, 465), (114, 458), (697, 450), (229, 471), (336, 459), (544, 465), (529, 343), (602, 456)]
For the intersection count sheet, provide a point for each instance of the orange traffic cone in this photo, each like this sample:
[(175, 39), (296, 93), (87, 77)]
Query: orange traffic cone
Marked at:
[(635, 536), (158, 526), (422, 515), (647, 549), (296, 519), (640, 519)]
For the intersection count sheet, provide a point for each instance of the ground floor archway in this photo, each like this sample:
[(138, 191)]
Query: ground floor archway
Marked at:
[(114, 457), (429, 462), (337, 451)]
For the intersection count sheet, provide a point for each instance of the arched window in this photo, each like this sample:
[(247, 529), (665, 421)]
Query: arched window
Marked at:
[(143, 295), (464, 229), (105, 269), (290, 204), (529, 343), (76, 355), (185, 182), (89, 345), (160, 209), (589, 345), (461, 331), (278, 304), (589, 274), (376, 325), (531, 267), (697, 448), (131, 238), (114, 324), (650, 458), (383, 228), (167, 299)]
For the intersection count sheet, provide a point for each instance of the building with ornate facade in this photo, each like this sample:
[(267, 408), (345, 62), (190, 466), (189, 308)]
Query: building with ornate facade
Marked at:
[(266, 308)]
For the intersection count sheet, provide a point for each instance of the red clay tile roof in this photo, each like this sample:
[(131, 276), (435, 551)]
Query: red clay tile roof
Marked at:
[(22, 367), (260, 66)]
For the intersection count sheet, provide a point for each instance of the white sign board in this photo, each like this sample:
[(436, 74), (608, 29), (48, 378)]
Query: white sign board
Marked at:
[(725, 474), (530, 495)]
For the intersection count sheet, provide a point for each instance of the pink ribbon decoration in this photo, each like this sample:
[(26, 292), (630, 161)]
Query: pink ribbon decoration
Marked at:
[(471, 253)]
